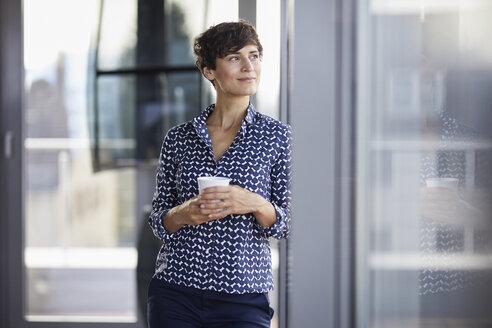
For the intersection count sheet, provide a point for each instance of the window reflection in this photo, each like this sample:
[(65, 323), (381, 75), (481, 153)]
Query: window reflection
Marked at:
[(79, 254), (135, 111), (424, 164), (117, 34), (145, 78), (159, 36)]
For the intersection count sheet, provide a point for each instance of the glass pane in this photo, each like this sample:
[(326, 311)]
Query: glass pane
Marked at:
[(424, 162), (117, 34), (116, 119), (80, 254), (161, 35), (133, 111), (130, 127)]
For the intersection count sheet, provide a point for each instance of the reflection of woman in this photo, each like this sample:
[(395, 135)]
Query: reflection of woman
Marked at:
[(443, 211), (450, 216), (214, 268)]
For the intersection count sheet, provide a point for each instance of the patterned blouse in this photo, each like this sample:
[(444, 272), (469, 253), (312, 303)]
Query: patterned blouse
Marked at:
[(230, 255)]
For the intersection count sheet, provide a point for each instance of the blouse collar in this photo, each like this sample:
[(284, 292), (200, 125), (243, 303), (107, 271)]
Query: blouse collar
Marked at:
[(199, 122)]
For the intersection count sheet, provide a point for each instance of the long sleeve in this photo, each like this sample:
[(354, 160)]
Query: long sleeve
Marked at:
[(165, 195), (280, 191)]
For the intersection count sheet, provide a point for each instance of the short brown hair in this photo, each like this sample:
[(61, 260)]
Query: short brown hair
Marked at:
[(220, 40)]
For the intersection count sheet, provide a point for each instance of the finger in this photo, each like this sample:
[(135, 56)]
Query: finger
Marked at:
[(220, 213), (441, 193), (219, 210), (207, 211), (216, 189), (200, 210), (208, 202), (214, 196), (213, 205)]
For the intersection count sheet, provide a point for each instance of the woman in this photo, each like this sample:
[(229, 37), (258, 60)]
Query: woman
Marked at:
[(214, 268)]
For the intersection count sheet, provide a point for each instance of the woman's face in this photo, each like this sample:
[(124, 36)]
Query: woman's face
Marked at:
[(237, 74)]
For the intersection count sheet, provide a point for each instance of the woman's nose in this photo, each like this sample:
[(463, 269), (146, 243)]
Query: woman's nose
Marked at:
[(247, 66)]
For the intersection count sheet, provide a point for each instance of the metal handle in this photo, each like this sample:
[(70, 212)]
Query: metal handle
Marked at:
[(7, 146)]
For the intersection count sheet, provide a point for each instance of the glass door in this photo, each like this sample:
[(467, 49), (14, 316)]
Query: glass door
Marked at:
[(85, 206), (424, 146), (80, 256)]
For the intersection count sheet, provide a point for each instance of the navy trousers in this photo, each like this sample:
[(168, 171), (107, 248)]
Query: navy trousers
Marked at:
[(173, 306)]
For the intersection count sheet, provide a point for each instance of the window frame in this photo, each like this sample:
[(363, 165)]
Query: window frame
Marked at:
[(322, 111)]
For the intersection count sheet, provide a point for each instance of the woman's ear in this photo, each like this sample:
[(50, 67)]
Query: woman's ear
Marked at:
[(209, 73)]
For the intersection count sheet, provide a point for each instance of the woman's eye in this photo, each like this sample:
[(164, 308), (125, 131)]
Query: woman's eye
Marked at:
[(234, 58), (256, 57)]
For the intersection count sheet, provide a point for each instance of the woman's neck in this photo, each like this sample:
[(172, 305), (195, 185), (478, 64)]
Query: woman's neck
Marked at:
[(229, 112)]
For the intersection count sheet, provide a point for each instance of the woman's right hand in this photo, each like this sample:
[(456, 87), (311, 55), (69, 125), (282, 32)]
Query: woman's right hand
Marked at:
[(446, 205), (188, 213)]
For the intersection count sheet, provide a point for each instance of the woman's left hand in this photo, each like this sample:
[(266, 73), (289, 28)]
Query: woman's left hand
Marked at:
[(233, 199)]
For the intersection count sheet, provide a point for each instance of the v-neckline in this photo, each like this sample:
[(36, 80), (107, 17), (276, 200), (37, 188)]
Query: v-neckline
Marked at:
[(200, 126), (228, 149)]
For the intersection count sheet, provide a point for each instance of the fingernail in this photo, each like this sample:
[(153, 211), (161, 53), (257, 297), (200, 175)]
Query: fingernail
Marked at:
[(202, 206)]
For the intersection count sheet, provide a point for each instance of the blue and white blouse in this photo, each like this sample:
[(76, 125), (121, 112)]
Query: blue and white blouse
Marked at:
[(230, 255)]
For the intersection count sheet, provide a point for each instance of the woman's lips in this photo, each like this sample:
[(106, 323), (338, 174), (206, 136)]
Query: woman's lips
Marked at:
[(247, 79)]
